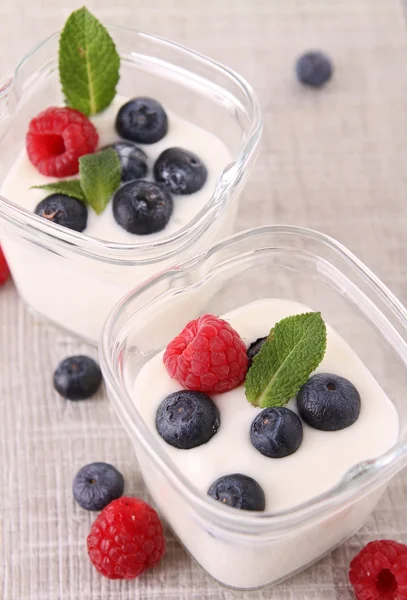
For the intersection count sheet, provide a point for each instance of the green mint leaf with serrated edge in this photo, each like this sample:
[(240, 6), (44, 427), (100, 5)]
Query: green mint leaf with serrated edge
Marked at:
[(295, 347), (88, 63), (71, 187), (100, 177)]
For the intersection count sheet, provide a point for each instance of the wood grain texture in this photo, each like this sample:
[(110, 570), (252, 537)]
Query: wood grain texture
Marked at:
[(334, 160)]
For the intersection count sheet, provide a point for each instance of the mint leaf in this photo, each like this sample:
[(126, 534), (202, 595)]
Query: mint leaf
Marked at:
[(295, 347), (88, 63), (71, 187), (100, 177)]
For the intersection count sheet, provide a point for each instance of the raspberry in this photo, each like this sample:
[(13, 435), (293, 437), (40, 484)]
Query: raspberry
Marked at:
[(4, 270), (56, 138), (379, 571), (126, 539), (207, 356)]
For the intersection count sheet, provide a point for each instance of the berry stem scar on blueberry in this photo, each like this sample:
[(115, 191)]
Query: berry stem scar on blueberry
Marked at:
[(329, 402), (77, 377), (187, 419), (96, 485)]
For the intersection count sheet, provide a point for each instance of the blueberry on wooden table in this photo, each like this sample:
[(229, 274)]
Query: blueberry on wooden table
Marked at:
[(77, 377), (314, 69), (96, 485)]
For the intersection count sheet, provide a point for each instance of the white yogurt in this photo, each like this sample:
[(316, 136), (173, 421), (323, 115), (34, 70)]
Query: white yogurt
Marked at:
[(210, 149), (319, 463), (77, 292)]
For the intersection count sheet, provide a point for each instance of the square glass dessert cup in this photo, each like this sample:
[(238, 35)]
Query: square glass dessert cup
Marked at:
[(70, 278), (242, 549)]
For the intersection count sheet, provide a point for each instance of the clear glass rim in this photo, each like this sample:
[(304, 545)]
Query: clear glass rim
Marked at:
[(359, 477), (144, 252)]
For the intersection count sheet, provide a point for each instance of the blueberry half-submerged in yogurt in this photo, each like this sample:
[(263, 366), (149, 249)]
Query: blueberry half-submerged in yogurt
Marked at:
[(63, 210), (254, 349), (187, 419), (180, 170), (142, 120), (142, 207), (238, 491), (133, 160), (328, 402), (276, 432)]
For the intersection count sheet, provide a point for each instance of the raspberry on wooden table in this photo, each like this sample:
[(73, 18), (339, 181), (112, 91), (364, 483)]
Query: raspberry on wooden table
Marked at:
[(126, 539), (4, 270), (379, 571), (207, 356), (57, 138)]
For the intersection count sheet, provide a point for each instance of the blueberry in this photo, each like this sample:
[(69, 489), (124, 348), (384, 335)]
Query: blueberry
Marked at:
[(254, 349), (276, 432), (187, 419), (77, 377), (314, 69), (328, 402), (238, 491), (96, 485), (133, 160), (142, 207), (142, 120), (63, 210), (181, 171)]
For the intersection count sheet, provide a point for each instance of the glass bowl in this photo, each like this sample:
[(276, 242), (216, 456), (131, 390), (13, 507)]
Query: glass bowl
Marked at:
[(70, 278), (251, 550)]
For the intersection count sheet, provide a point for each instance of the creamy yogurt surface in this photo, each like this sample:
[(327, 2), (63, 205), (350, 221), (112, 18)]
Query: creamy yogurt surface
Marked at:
[(323, 457), (210, 149)]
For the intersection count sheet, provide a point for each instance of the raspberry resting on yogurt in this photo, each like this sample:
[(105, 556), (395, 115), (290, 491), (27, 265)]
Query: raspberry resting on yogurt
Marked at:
[(207, 356), (57, 138)]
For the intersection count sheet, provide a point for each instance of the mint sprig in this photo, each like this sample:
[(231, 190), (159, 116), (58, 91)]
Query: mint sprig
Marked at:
[(88, 63), (100, 177), (295, 347), (69, 187)]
